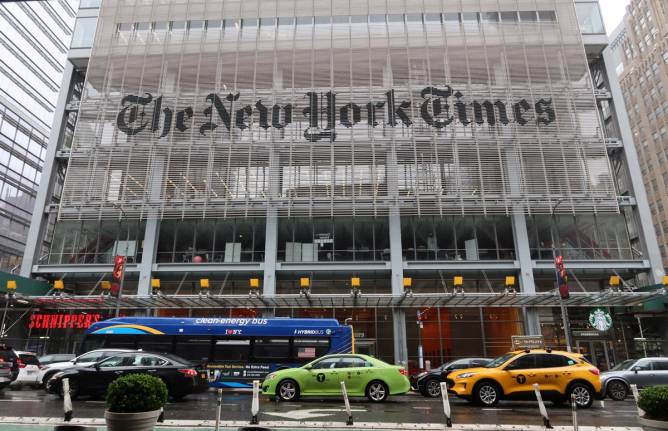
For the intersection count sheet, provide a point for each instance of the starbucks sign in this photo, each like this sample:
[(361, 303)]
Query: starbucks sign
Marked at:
[(600, 319)]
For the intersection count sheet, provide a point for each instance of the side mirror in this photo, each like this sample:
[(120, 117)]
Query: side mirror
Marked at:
[(636, 369), (97, 366), (308, 367)]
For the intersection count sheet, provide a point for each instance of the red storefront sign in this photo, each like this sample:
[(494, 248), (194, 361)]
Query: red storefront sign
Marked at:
[(62, 321)]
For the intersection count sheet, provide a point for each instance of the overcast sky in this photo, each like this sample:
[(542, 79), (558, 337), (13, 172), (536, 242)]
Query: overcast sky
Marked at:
[(613, 11)]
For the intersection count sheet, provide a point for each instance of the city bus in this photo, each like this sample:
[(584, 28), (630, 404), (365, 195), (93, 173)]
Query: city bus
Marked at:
[(231, 351)]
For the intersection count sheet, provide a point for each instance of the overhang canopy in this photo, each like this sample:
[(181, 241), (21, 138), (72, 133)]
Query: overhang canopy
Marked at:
[(417, 300)]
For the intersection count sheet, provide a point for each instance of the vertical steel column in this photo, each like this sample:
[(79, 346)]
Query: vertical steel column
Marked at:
[(527, 283), (271, 229), (40, 219), (152, 230)]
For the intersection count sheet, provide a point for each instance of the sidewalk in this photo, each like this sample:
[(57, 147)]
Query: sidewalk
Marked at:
[(47, 424)]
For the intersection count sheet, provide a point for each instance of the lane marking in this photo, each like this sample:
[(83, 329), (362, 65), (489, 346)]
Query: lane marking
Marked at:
[(19, 400)]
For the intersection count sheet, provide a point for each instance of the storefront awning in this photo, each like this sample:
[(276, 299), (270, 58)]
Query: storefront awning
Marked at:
[(418, 300)]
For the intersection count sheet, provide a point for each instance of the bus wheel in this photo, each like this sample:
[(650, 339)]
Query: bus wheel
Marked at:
[(288, 390)]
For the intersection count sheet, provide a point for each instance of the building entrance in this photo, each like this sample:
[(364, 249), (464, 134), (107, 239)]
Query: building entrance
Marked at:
[(600, 352)]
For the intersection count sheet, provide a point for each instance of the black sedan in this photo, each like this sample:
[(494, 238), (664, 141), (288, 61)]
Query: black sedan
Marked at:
[(428, 383), (179, 375)]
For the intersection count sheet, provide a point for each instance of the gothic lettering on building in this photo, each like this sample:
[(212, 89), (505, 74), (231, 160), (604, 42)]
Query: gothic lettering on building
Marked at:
[(323, 113)]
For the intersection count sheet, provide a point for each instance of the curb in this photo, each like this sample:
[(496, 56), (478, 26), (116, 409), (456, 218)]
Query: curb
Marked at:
[(312, 425)]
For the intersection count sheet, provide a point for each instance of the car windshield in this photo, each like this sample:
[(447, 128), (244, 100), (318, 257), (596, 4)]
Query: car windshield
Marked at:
[(500, 360), (624, 365)]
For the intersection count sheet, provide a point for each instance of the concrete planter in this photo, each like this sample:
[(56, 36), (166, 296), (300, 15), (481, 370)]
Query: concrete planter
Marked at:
[(141, 421), (653, 424)]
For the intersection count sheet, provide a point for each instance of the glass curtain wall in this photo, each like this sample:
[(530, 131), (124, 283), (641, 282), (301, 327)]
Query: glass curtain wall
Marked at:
[(333, 239)]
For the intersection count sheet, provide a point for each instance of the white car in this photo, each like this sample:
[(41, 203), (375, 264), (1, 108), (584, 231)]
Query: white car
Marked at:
[(80, 361), (28, 371)]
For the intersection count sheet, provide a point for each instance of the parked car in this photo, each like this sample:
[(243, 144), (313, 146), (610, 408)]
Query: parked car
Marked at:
[(363, 375), (56, 357), (28, 371), (641, 372), (179, 375), (9, 365), (511, 376), (80, 361), (428, 383)]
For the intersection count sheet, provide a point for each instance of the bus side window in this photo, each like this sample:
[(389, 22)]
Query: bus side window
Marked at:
[(91, 342), (231, 349), (193, 348), (277, 349), (155, 343), (121, 341), (307, 349)]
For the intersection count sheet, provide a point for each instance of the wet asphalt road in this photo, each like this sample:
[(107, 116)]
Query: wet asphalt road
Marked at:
[(410, 408)]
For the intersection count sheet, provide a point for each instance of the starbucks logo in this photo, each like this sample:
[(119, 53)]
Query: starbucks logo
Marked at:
[(600, 319)]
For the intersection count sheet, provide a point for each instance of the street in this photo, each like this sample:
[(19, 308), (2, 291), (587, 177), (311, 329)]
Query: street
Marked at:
[(410, 408)]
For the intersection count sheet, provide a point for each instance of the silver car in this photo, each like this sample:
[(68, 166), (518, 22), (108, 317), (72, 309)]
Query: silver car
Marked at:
[(617, 382)]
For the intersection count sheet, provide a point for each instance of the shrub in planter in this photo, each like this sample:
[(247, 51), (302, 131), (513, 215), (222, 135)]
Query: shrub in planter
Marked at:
[(654, 401), (136, 393)]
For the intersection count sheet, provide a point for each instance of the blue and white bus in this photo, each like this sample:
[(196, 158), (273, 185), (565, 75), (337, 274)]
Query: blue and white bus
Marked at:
[(234, 351)]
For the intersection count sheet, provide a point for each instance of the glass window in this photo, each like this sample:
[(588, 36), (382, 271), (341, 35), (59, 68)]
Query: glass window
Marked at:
[(528, 16), (121, 341), (326, 364), (553, 361), (146, 360), (525, 362), (90, 357), (353, 363), (660, 365), (118, 361), (432, 17), (509, 16), (490, 17), (193, 349), (155, 343), (589, 18), (231, 349), (643, 365), (89, 4), (84, 32), (470, 17), (271, 348), (310, 348), (29, 359), (547, 15)]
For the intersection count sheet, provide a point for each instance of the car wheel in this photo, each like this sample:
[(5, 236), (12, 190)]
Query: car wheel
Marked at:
[(584, 395), (487, 394), (617, 390), (288, 390), (377, 391), (433, 388), (47, 377)]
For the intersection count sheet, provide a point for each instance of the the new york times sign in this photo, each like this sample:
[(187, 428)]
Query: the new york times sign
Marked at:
[(439, 108)]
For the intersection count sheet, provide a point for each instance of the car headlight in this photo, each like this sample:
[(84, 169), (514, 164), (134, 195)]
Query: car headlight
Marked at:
[(270, 376), (466, 375)]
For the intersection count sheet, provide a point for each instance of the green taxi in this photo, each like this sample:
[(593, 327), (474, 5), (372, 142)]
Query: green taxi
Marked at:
[(364, 376)]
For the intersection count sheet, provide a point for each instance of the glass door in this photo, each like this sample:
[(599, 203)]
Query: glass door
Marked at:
[(598, 352)]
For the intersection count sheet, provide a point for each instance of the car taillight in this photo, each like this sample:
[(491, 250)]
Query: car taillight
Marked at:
[(20, 363), (595, 371), (403, 371), (188, 372)]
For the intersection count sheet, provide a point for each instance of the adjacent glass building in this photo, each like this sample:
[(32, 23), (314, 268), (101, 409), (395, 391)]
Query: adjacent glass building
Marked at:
[(377, 149), (34, 42)]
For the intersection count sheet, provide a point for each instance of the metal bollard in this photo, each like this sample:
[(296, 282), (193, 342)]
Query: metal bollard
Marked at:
[(219, 402), (67, 400), (541, 406), (636, 396), (161, 418), (446, 404), (574, 412), (255, 405), (344, 392)]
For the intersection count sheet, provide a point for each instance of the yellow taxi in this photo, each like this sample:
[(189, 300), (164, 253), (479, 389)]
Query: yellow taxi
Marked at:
[(512, 376)]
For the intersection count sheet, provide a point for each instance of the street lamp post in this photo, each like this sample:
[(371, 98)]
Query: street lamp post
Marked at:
[(564, 310), (125, 256)]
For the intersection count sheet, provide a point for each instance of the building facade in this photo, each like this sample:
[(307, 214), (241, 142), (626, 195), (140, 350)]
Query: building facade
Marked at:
[(411, 167), (641, 45), (34, 42)]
